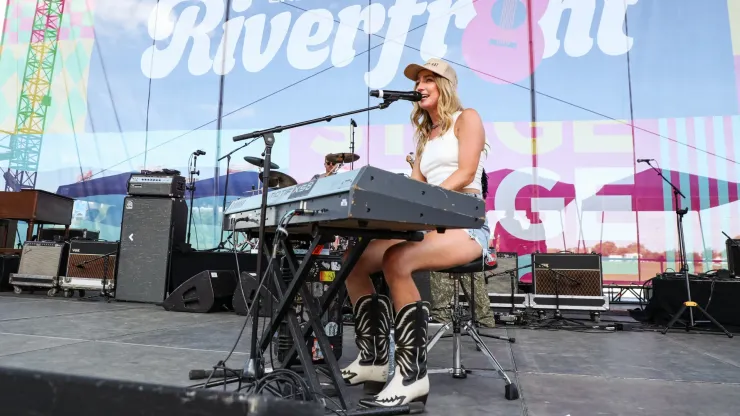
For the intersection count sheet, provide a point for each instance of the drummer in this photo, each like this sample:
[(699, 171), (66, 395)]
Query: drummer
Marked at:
[(328, 167)]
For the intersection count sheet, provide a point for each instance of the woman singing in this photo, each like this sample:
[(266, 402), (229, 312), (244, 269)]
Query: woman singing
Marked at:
[(450, 144)]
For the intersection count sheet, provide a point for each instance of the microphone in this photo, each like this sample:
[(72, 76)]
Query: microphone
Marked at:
[(199, 153), (644, 160), (396, 95), (352, 122)]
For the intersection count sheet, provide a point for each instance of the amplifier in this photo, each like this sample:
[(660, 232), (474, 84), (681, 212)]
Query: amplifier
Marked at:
[(575, 278), (319, 278), (171, 186), (733, 256), (41, 265), (91, 266), (57, 234)]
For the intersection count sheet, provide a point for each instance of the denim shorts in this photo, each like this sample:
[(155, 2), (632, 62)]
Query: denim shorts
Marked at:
[(481, 235)]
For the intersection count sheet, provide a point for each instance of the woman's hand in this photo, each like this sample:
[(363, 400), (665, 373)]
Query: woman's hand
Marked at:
[(416, 170)]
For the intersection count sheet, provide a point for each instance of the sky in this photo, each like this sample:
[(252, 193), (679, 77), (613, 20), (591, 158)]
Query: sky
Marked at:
[(680, 66)]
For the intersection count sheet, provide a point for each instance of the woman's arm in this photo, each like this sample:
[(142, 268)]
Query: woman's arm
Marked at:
[(471, 138), (416, 171)]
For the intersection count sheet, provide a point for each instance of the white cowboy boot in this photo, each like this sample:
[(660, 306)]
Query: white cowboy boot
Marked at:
[(372, 316), (410, 382)]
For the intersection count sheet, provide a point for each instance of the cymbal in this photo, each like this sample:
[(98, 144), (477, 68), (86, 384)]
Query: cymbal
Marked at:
[(280, 180), (259, 162), (342, 157)]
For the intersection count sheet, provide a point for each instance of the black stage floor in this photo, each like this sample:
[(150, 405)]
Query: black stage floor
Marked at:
[(559, 372)]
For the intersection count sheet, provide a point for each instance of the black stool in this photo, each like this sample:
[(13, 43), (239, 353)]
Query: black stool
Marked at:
[(467, 322)]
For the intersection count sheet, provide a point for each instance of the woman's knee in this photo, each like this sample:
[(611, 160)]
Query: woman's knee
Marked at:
[(372, 258), (396, 262)]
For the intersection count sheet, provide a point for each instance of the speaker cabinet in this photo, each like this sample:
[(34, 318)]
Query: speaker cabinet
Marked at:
[(150, 229), (207, 291)]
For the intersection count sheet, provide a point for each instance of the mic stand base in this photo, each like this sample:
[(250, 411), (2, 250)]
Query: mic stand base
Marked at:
[(689, 305), (559, 318)]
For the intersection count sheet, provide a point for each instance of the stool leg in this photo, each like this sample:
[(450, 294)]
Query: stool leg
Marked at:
[(511, 391), (471, 301), (457, 368), (440, 332)]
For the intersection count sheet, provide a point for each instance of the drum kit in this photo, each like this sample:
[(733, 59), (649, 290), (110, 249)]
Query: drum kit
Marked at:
[(339, 159), (278, 180)]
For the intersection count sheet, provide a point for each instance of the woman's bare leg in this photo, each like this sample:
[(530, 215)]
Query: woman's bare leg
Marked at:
[(436, 252), (358, 282), (373, 318)]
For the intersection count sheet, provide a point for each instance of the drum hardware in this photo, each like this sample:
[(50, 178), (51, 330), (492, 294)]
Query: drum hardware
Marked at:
[(279, 180), (339, 159), (259, 162), (222, 244)]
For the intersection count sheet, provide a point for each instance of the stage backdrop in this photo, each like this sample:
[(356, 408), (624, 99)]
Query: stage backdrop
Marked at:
[(572, 92)]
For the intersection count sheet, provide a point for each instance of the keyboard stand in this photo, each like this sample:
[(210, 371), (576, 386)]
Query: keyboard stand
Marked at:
[(315, 311)]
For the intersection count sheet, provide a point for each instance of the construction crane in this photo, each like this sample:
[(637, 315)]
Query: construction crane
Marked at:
[(25, 142)]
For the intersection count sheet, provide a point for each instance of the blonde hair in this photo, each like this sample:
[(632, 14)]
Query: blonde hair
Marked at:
[(447, 105)]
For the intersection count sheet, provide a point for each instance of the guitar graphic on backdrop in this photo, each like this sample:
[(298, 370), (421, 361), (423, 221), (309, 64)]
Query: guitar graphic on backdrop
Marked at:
[(496, 42)]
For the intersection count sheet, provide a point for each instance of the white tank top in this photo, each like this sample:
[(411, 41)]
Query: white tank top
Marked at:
[(439, 159)]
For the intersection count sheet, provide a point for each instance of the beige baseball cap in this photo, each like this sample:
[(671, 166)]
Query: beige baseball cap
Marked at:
[(438, 66)]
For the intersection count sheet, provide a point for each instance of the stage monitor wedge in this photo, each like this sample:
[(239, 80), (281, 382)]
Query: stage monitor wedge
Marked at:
[(207, 291), (151, 228)]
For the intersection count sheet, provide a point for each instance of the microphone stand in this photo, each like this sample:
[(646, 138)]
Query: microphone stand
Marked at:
[(514, 281), (352, 126), (680, 212), (557, 315), (191, 188), (253, 368), (222, 243)]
